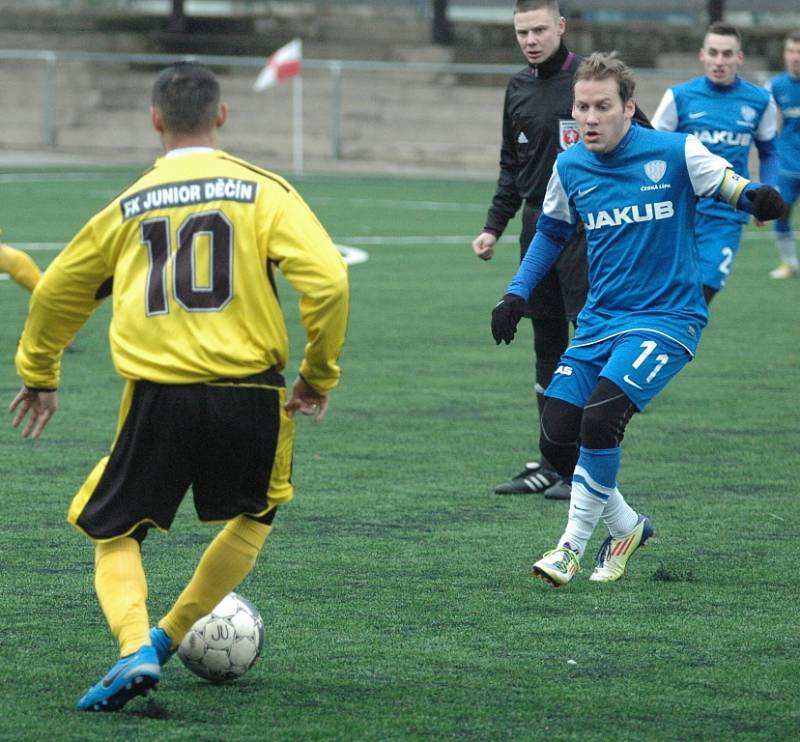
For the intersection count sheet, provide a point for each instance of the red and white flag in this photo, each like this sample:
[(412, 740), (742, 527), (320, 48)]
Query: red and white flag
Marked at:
[(281, 65)]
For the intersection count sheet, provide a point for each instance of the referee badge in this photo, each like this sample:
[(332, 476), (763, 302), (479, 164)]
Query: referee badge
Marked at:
[(568, 133)]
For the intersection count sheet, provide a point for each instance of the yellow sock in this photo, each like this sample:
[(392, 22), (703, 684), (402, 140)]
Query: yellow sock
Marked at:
[(122, 590), (19, 266), (225, 563)]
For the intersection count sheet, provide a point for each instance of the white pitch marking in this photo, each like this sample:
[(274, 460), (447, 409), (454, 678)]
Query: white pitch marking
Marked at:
[(352, 241), (348, 246), (353, 255), (409, 240), (50, 177), (394, 203)]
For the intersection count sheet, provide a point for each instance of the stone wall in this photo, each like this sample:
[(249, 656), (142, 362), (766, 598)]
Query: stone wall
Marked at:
[(388, 122)]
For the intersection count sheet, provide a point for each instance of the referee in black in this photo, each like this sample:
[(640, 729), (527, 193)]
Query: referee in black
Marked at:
[(537, 125)]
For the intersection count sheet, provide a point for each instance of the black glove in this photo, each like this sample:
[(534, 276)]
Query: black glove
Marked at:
[(767, 203), (506, 316)]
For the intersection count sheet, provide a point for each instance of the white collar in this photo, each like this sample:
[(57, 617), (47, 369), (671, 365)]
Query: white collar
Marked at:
[(181, 151)]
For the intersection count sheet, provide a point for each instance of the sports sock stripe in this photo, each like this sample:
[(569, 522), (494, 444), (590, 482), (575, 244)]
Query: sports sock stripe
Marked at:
[(598, 489), (587, 488)]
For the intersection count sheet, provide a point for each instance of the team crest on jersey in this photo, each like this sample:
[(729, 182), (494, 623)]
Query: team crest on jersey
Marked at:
[(568, 133), (655, 170), (748, 113)]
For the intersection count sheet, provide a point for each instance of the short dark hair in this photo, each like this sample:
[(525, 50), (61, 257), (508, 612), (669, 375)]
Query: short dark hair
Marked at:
[(794, 36), (187, 95), (720, 28), (599, 66), (524, 6)]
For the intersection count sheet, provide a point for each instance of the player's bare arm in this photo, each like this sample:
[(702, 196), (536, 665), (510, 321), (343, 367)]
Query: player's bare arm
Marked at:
[(42, 405)]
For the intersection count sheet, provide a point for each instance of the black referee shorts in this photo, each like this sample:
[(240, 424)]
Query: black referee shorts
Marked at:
[(562, 292), (229, 440)]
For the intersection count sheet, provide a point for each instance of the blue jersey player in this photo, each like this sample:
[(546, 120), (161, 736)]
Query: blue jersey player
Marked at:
[(635, 191), (785, 89), (727, 114)]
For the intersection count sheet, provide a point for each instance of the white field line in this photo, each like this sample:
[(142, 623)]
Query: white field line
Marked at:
[(376, 241), (386, 203), (352, 255), (408, 241), (396, 203), (50, 177)]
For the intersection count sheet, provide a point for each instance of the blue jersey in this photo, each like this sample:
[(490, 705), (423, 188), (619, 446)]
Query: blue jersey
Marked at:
[(786, 92), (727, 119), (637, 204)]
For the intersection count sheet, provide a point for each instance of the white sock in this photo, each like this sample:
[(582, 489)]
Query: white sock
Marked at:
[(619, 517), (584, 514), (786, 248)]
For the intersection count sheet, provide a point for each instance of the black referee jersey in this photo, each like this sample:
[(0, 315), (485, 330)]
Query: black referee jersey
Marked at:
[(537, 125)]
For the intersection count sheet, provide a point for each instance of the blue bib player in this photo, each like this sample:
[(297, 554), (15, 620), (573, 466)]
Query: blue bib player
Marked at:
[(785, 89), (635, 190), (728, 115)]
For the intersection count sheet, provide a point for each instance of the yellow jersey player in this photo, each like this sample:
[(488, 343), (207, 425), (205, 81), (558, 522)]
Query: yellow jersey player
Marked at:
[(188, 254), (20, 266)]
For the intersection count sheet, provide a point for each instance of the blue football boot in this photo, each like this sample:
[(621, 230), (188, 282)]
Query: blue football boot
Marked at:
[(131, 676), (162, 644)]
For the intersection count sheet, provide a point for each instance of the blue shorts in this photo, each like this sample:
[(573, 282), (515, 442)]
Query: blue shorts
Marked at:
[(789, 187), (718, 242), (640, 363)]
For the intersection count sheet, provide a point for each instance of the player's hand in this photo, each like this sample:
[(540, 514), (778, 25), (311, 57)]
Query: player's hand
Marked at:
[(483, 245), (307, 401), (767, 203), (506, 316), (41, 405)]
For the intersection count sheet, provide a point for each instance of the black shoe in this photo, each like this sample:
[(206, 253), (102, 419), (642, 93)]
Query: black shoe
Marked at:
[(532, 481), (559, 491)]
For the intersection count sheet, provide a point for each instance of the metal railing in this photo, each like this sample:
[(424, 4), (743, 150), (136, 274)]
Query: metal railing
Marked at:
[(53, 61), (395, 102)]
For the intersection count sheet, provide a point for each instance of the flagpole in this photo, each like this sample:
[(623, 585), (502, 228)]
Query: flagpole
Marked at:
[(297, 126)]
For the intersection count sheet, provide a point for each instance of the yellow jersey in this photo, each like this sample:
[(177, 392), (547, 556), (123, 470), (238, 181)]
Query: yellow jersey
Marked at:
[(187, 253)]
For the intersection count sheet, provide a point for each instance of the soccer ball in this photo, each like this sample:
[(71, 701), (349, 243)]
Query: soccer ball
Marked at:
[(225, 644)]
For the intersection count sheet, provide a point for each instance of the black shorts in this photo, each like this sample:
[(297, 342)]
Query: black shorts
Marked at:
[(230, 440), (562, 292)]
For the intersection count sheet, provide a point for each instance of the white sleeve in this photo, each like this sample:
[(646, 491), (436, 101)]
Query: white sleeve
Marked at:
[(768, 126), (666, 116), (706, 170), (556, 202)]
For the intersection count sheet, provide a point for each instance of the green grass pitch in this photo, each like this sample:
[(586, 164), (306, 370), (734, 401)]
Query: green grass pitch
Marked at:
[(396, 588)]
